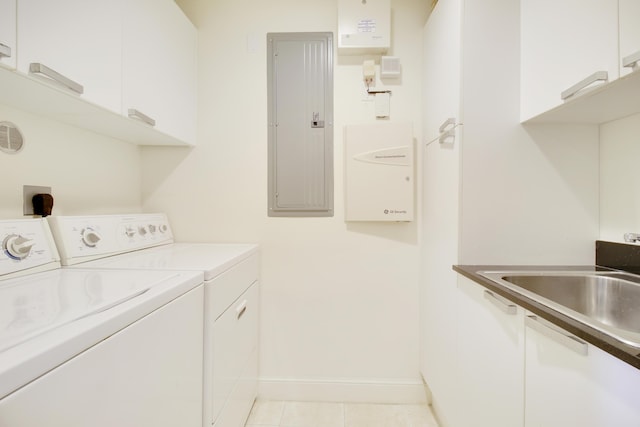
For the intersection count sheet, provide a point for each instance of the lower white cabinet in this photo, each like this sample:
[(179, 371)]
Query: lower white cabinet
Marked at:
[(491, 358), (572, 383), (518, 370)]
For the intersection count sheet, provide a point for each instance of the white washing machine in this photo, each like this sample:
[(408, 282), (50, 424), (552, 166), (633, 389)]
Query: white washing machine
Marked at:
[(231, 292), (106, 348)]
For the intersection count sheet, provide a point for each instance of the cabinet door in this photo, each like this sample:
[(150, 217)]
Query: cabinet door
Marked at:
[(491, 358), (572, 383), (563, 43), (8, 33), (235, 337), (440, 187), (159, 66), (441, 76), (79, 39), (629, 12)]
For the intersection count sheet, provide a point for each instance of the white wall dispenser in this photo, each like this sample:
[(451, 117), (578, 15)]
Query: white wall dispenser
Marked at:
[(379, 172), (364, 26)]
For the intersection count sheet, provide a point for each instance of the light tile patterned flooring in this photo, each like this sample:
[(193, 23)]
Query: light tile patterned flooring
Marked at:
[(314, 414)]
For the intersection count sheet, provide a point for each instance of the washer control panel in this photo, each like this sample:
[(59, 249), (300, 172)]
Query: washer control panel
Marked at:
[(26, 244), (85, 238)]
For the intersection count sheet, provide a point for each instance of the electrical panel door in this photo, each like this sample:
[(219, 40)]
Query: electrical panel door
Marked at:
[(300, 99)]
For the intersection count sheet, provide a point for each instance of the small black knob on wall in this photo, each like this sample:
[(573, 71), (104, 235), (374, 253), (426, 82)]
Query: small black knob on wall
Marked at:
[(42, 204)]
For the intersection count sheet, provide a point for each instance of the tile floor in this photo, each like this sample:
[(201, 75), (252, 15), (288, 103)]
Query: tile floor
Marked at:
[(313, 414)]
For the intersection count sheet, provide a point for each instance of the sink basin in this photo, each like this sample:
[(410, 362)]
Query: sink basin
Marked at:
[(606, 301)]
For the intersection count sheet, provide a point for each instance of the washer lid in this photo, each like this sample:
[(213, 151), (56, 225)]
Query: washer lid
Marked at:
[(47, 318), (35, 304)]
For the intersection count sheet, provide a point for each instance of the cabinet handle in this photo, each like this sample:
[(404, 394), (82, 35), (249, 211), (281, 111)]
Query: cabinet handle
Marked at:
[(447, 131), (595, 77), (5, 51), (241, 308), (447, 137), (135, 114), (503, 305), (631, 61), (451, 121), (37, 68), (558, 335)]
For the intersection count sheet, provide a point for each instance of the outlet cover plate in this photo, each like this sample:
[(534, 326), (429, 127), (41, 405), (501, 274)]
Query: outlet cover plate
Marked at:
[(28, 191)]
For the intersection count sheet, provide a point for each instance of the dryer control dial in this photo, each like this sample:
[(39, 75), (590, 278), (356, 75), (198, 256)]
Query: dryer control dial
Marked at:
[(130, 231), (17, 247), (90, 237)]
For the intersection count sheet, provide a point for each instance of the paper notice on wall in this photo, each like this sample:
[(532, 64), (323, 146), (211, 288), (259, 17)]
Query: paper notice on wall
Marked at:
[(367, 26)]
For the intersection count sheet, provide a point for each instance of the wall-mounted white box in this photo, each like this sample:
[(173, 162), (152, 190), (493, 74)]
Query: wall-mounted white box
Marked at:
[(390, 67), (364, 26), (379, 172)]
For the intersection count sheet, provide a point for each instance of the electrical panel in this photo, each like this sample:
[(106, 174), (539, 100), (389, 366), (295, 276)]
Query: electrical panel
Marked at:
[(379, 172), (364, 26), (300, 115)]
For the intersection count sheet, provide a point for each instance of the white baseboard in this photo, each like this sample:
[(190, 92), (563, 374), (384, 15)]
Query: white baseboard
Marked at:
[(342, 390)]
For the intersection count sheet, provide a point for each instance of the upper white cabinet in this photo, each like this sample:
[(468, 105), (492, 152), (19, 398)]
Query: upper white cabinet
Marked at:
[(566, 47), (491, 358), (159, 67), (8, 33), (87, 63), (572, 383), (79, 40), (629, 11)]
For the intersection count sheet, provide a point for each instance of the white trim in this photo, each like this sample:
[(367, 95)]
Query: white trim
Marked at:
[(342, 390)]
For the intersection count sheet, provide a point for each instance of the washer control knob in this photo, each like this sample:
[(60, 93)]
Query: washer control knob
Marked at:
[(130, 231), (90, 237), (152, 228), (143, 231), (18, 247), (163, 228)]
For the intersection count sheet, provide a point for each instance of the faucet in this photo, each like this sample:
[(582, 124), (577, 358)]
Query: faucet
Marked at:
[(632, 237)]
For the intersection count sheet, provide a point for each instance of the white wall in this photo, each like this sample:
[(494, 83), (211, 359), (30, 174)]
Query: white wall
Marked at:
[(339, 301), (619, 178), (88, 173)]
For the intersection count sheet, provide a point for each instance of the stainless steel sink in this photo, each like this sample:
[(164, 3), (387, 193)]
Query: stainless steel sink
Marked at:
[(606, 301)]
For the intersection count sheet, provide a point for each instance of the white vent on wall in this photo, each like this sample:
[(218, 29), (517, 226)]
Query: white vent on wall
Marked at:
[(389, 67), (11, 140)]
